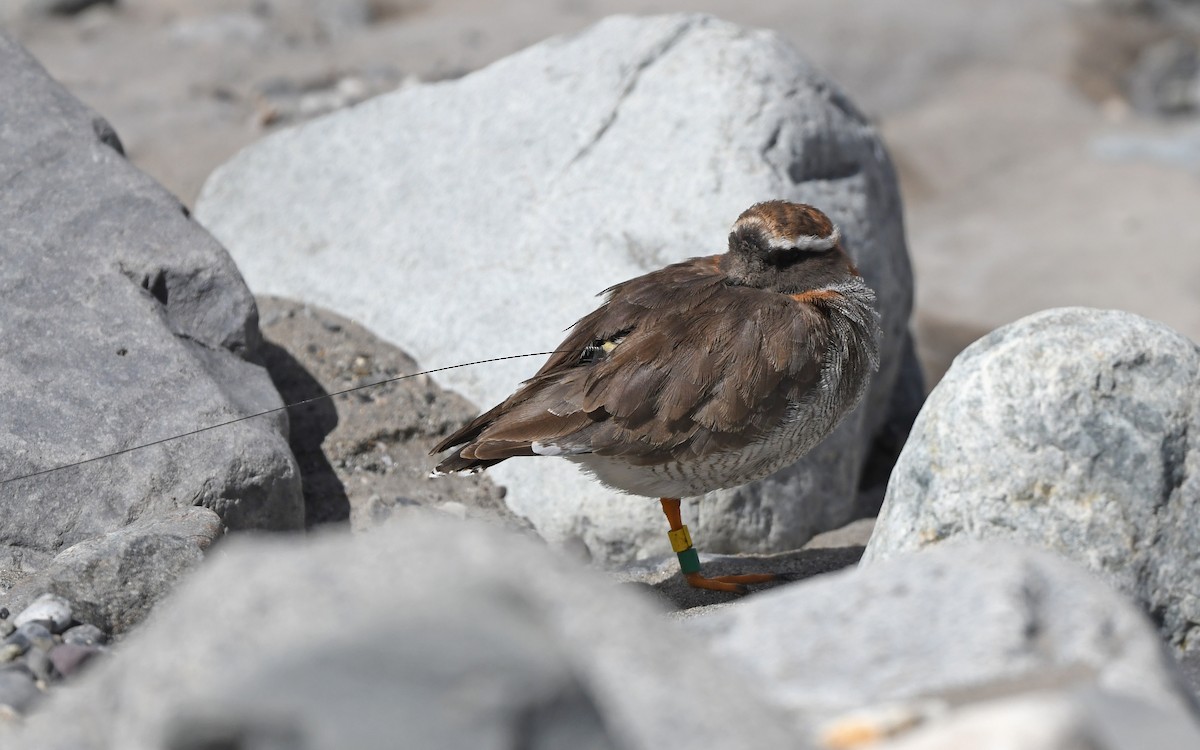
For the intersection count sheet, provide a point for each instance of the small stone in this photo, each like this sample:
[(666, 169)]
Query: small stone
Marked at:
[(47, 608), (68, 658), (85, 635), (37, 661), (3, 613), (36, 633), (17, 689), (10, 651)]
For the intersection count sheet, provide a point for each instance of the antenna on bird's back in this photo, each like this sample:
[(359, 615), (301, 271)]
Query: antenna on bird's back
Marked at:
[(302, 402)]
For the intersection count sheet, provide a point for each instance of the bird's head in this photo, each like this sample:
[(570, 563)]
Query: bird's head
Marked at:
[(776, 238)]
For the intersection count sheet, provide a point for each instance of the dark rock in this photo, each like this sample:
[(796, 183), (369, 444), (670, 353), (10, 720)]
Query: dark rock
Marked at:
[(98, 259)]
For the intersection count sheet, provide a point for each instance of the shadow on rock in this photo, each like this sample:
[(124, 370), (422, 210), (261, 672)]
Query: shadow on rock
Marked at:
[(325, 499), (790, 566)]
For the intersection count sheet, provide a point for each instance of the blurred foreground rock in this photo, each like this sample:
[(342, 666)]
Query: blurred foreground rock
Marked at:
[(477, 218), (423, 634), (1074, 430), (921, 639), (123, 323), (436, 633)]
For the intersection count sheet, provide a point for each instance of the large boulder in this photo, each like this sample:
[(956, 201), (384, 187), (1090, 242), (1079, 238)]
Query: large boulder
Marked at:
[(1072, 429), (424, 634), (922, 638), (123, 323), (476, 218)]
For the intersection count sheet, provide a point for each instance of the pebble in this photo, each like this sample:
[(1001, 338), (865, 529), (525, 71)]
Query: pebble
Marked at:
[(14, 645), (85, 635), (67, 658), (17, 689), (38, 648), (37, 662), (52, 610), (36, 633)]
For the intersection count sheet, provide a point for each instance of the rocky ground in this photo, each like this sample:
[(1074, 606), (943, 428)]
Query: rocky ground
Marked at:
[(1045, 155)]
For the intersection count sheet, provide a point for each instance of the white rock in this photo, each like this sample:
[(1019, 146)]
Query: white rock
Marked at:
[(47, 608), (1074, 430), (477, 218)]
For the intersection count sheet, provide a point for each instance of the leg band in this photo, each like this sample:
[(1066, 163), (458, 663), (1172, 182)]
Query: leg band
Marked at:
[(680, 539), (689, 560)]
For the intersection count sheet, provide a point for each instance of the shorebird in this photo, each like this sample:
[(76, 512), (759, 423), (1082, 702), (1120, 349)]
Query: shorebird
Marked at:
[(704, 374)]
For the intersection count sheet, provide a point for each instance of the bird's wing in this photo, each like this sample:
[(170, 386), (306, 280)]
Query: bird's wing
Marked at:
[(674, 364)]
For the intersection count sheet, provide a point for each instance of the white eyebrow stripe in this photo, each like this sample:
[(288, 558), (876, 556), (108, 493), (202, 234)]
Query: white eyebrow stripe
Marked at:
[(805, 241)]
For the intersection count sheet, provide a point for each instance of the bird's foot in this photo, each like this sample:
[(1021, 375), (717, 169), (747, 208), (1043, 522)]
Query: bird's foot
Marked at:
[(732, 584)]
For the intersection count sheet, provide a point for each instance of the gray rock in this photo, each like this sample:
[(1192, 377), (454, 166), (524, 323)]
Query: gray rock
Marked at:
[(1069, 430), (114, 580), (34, 633), (124, 323), (17, 689), (37, 661), (425, 634), (575, 164), (957, 625), (52, 610), (85, 635)]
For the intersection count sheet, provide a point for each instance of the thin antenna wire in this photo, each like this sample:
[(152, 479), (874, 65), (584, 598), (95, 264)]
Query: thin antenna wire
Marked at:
[(264, 413)]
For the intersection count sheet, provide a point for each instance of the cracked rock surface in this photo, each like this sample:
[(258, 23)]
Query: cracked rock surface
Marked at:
[(477, 218), (123, 323), (1075, 430)]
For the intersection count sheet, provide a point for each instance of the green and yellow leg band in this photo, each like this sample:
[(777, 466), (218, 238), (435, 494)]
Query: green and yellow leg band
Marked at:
[(681, 542)]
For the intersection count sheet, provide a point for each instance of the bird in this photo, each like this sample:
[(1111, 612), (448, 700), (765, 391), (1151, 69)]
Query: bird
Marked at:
[(702, 375)]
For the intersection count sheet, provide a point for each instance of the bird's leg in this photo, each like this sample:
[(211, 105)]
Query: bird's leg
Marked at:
[(689, 559)]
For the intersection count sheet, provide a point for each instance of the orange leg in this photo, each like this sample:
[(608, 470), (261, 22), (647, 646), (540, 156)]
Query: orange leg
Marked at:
[(689, 560)]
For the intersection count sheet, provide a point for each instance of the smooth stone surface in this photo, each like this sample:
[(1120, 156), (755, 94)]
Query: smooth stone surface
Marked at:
[(123, 323), (497, 205), (85, 635), (68, 658), (445, 634), (54, 611), (1074, 430), (959, 624), (17, 689)]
